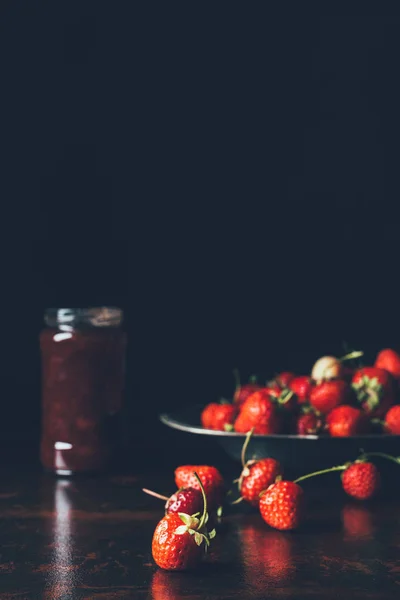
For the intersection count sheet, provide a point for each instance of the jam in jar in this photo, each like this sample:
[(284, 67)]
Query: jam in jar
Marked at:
[(83, 361)]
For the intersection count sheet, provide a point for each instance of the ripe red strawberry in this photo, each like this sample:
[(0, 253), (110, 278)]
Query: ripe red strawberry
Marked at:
[(361, 480), (284, 378), (257, 477), (185, 500), (282, 505), (210, 477), (389, 360), (219, 417), (179, 540), (327, 395), (308, 424), (374, 390), (392, 420), (171, 550), (258, 412), (345, 420), (301, 386), (242, 392), (207, 415)]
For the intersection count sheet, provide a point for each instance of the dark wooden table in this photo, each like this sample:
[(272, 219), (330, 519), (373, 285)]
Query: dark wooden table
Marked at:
[(91, 538)]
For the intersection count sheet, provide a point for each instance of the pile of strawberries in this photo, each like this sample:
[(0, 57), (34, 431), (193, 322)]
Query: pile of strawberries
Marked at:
[(335, 399), (193, 513)]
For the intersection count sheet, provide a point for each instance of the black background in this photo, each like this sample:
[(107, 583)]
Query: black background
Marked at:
[(227, 174)]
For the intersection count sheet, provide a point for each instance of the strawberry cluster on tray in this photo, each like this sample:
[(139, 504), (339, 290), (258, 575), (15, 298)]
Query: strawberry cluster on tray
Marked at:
[(336, 399)]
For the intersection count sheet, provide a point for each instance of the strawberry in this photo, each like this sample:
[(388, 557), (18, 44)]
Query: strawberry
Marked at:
[(256, 475), (329, 367), (242, 392), (301, 386), (326, 368), (284, 378), (374, 390), (219, 417), (179, 540), (308, 424), (361, 480), (282, 505), (389, 360), (207, 415), (327, 395), (345, 420), (392, 420), (259, 413), (185, 500), (210, 478)]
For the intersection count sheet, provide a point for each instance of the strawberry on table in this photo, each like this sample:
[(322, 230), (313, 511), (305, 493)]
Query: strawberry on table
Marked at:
[(361, 480), (327, 395), (180, 540), (185, 500), (345, 420), (259, 413), (389, 360), (374, 390), (256, 475), (282, 505), (210, 478)]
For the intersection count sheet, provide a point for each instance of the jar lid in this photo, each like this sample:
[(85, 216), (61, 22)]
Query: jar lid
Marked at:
[(103, 316)]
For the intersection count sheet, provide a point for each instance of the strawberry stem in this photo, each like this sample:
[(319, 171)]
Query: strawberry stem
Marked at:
[(352, 355), (245, 445), (330, 470), (381, 455), (204, 513), (151, 493)]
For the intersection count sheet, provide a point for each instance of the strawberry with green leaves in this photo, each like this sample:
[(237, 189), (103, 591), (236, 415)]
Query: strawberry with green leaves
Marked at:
[(180, 540), (374, 390)]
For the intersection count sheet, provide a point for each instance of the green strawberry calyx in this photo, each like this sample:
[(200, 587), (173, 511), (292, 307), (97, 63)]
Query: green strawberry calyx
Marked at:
[(369, 391), (194, 525)]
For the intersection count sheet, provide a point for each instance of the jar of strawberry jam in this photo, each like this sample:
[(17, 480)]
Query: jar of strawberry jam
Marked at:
[(83, 363)]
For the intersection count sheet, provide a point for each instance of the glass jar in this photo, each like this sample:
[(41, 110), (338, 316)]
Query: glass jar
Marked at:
[(83, 372)]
